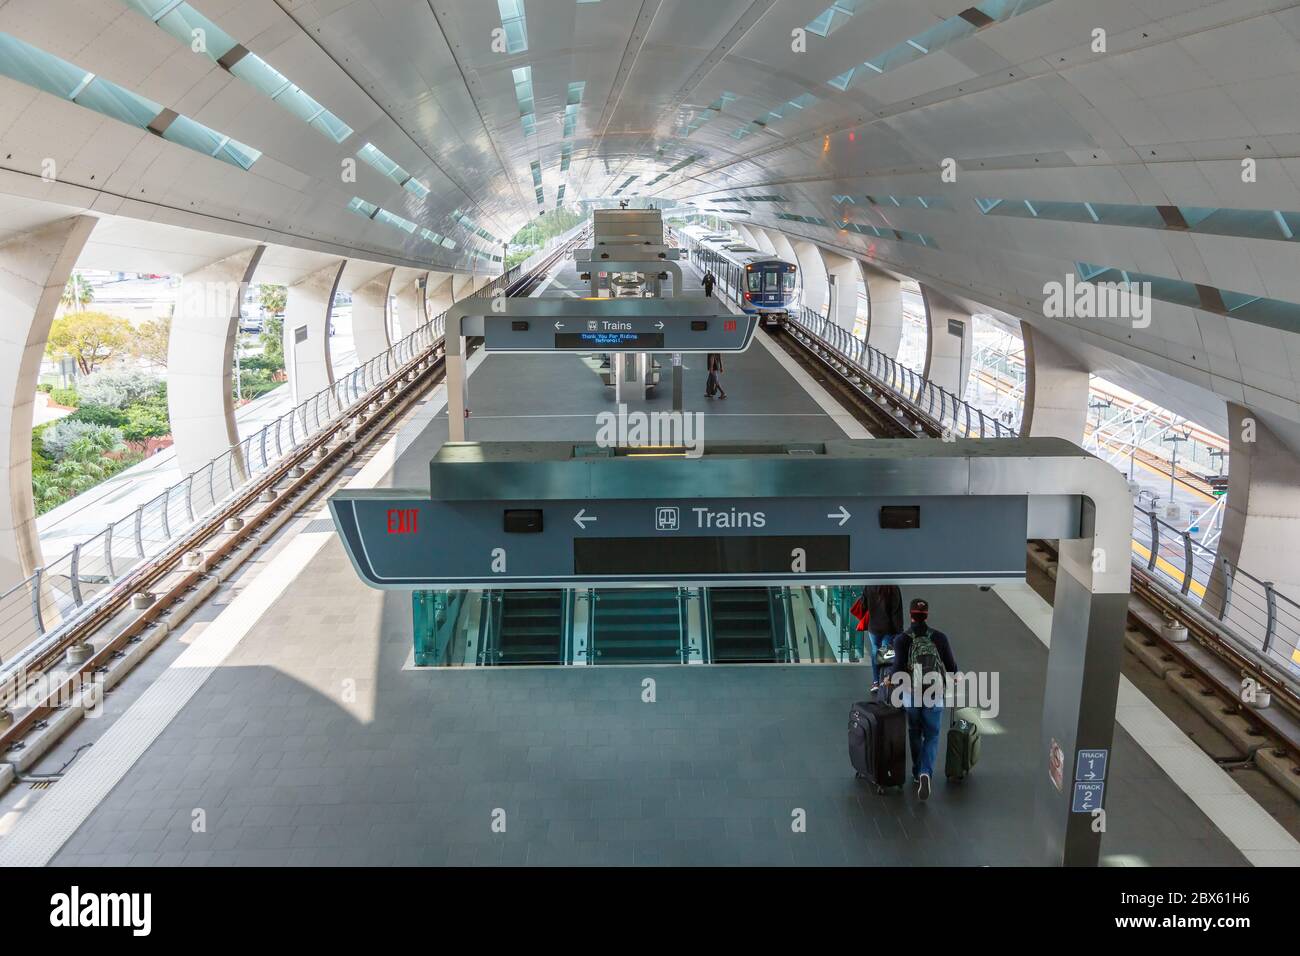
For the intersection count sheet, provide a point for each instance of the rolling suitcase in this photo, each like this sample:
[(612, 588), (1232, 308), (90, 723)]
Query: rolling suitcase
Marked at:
[(963, 745), (877, 738)]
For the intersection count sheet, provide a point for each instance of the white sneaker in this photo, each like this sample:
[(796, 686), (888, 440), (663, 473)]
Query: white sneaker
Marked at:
[(923, 787)]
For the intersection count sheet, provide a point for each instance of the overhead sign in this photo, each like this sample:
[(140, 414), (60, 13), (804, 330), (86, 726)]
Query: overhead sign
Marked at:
[(651, 332), (405, 542)]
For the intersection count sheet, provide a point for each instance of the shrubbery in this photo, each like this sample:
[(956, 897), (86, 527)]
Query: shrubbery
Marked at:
[(59, 438), (98, 415), (67, 397), (119, 388), (69, 457), (146, 420)]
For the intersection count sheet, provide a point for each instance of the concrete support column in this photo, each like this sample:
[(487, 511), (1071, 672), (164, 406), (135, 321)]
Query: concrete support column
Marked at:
[(844, 288), (746, 235), (948, 345), (34, 268), (762, 241), (1056, 390), (1261, 523), (410, 302), (813, 271), (200, 358), (370, 317), (437, 294), (885, 304), (306, 331), (461, 286)]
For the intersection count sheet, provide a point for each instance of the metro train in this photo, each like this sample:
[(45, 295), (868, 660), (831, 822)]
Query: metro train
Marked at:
[(762, 283)]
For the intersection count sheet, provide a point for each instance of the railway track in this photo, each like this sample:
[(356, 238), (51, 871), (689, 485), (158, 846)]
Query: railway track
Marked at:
[(1207, 667), (59, 683)]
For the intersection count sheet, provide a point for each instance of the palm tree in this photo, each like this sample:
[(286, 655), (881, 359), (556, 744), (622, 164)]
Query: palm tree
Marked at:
[(78, 293)]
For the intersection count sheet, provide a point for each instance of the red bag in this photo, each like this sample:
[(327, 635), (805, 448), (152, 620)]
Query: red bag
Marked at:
[(861, 613)]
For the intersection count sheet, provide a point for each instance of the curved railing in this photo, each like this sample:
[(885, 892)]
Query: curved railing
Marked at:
[(1263, 620), (66, 589)]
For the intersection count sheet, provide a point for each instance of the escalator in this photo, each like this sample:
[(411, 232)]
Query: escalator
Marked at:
[(531, 629), (637, 626), (741, 626)]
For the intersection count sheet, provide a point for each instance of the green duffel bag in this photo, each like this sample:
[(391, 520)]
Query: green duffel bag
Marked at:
[(963, 744)]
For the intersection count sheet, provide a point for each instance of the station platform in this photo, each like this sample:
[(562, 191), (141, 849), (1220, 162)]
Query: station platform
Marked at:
[(291, 716)]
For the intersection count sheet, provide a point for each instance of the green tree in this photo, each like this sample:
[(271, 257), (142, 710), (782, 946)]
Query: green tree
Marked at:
[(150, 341), (272, 298), (77, 293), (91, 338), (272, 338)]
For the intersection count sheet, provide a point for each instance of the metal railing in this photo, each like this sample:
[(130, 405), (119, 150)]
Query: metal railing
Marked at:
[(39, 609), (1253, 611)]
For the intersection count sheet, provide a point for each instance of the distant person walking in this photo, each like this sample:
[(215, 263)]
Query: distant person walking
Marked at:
[(714, 384), (709, 282)]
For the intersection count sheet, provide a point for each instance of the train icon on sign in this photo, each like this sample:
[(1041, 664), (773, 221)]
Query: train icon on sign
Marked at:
[(668, 518)]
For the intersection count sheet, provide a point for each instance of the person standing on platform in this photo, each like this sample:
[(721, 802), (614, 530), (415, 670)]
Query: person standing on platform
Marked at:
[(709, 282), (714, 385), (883, 604), (925, 656)]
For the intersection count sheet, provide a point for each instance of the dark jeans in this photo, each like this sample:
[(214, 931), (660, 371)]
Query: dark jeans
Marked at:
[(713, 385), (879, 642), (924, 726)]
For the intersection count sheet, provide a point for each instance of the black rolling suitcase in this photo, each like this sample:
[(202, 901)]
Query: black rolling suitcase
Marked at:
[(877, 741), (963, 745)]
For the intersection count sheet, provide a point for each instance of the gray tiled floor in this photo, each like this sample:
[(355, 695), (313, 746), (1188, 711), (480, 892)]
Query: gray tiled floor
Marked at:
[(312, 745)]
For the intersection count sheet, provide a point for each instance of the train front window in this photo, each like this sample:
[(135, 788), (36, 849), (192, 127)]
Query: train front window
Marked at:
[(755, 281), (787, 282), (771, 281)]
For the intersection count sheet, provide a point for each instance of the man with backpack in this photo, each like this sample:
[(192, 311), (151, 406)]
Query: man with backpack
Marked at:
[(709, 281), (925, 656)]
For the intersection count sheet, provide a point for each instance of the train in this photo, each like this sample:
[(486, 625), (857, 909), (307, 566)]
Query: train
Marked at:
[(762, 283)]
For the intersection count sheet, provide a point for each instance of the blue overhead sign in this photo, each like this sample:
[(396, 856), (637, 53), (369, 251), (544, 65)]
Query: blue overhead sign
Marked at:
[(625, 519)]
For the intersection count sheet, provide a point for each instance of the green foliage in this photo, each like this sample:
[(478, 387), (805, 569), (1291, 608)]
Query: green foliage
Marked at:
[(45, 387), (259, 362), (120, 388), (272, 338), (91, 338), (98, 415), (272, 298), (68, 438), (146, 420), (67, 397), (256, 382)]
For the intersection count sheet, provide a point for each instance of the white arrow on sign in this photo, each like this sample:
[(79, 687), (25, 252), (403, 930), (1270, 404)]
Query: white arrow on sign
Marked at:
[(559, 325), (582, 517), (842, 514), (659, 325)]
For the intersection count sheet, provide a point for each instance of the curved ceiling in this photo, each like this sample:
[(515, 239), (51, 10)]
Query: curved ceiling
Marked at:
[(831, 122)]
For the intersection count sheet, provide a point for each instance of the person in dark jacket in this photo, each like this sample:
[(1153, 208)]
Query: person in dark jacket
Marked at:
[(884, 606), (714, 385), (709, 281), (923, 655)]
